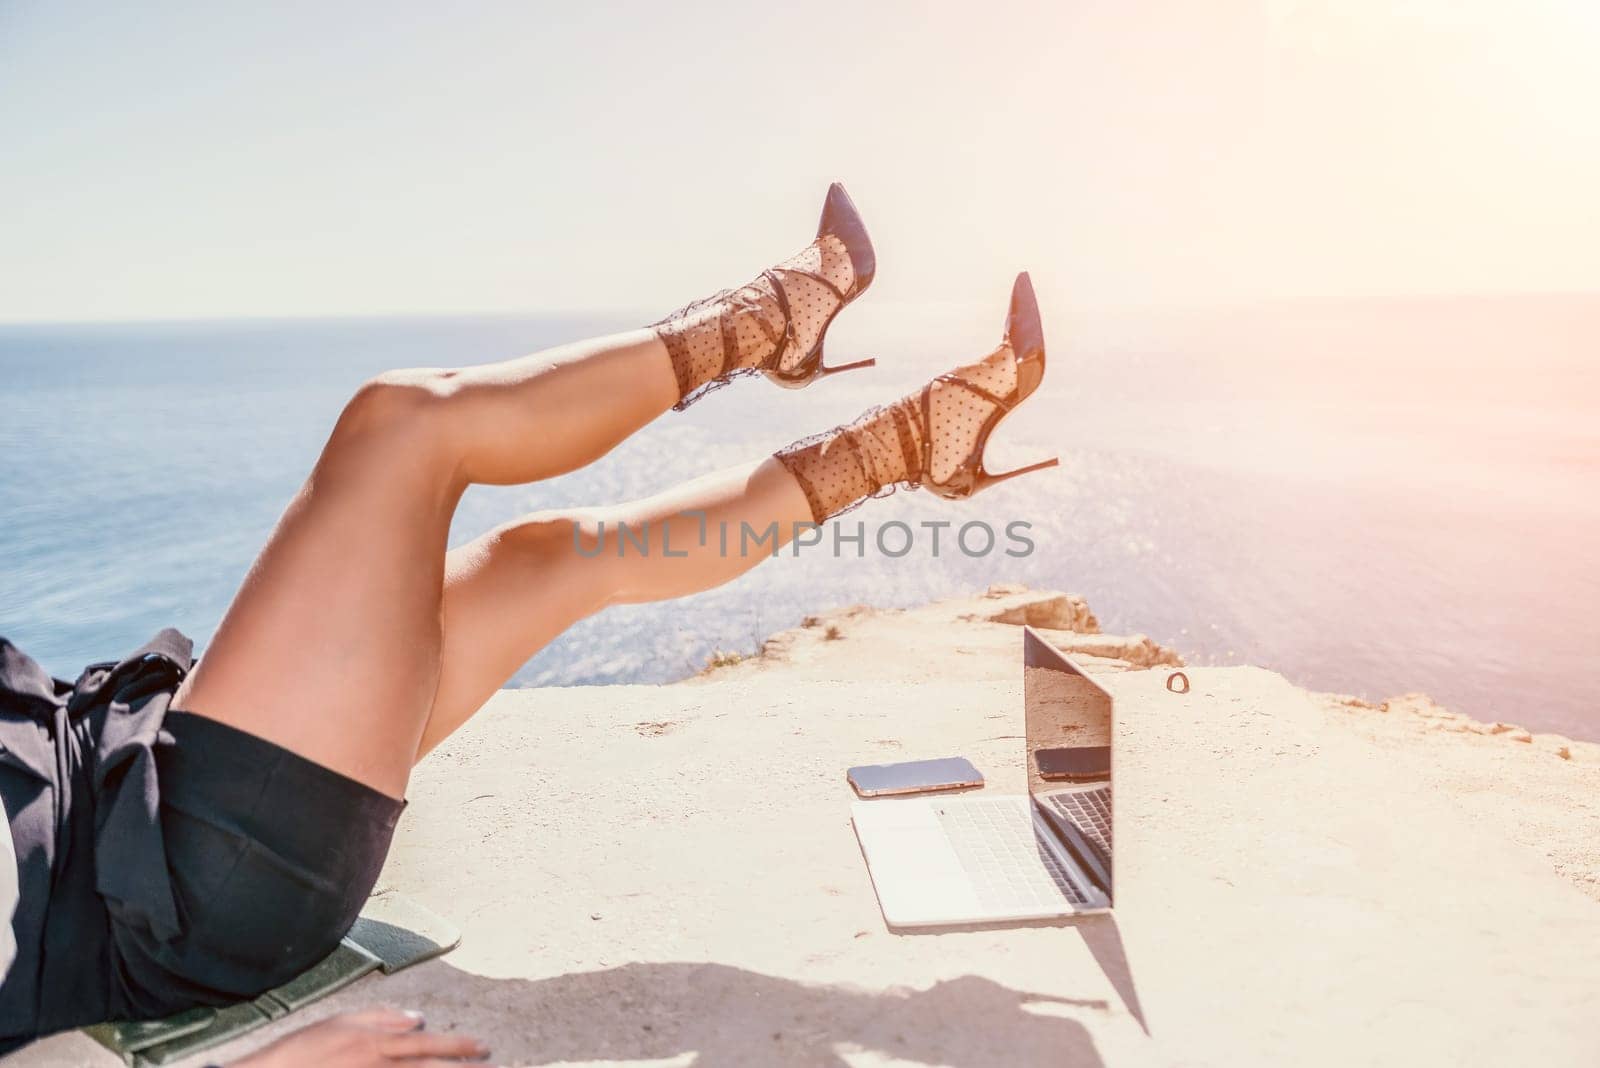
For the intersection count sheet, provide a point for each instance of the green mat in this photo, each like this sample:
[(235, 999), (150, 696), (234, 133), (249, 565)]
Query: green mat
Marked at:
[(391, 933)]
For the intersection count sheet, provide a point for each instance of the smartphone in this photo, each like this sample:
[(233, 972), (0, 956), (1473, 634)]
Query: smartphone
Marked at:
[(1082, 763), (914, 777)]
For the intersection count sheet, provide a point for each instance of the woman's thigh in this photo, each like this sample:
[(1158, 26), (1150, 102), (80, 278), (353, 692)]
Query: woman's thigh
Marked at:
[(330, 648)]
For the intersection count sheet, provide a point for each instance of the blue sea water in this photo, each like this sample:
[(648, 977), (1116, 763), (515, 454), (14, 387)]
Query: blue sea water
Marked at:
[(1372, 498)]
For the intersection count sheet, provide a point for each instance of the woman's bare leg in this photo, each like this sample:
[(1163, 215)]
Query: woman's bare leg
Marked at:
[(510, 592), (331, 646), (513, 590)]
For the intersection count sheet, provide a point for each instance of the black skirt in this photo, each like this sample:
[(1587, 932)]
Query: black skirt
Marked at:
[(165, 860)]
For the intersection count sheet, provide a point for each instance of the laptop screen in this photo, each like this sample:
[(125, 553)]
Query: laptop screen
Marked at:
[(1069, 731)]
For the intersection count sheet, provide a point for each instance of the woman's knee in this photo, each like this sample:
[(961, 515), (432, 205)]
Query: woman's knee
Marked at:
[(404, 404), (565, 535), (577, 547)]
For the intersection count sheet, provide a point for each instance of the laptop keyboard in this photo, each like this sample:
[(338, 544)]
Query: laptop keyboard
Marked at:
[(1089, 809), (1002, 853)]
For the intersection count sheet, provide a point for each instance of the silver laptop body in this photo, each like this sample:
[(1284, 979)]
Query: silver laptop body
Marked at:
[(978, 858)]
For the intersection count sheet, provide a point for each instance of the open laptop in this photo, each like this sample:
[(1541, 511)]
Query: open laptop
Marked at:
[(977, 858)]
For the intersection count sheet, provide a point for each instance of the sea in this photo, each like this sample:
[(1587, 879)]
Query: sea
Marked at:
[(1369, 496)]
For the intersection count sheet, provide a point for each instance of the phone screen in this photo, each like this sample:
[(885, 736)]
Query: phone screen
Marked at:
[(914, 777), (1080, 763)]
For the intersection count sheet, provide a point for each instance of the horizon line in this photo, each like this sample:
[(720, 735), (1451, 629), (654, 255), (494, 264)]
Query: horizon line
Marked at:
[(1413, 297)]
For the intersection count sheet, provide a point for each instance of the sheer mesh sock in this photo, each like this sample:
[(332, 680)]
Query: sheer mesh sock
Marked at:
[(771, 323), (844, 466), (892, 445)]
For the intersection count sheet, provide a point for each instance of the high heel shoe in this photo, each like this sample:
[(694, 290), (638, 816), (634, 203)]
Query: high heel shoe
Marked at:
[(841, 220), (1024, 336), (775, 324), (934, 437)]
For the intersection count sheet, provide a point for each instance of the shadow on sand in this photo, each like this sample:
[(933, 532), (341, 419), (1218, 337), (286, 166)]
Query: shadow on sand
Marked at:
[(1101, 937), (717, 1016)]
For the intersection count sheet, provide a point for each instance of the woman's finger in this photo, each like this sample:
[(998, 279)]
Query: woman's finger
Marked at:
[(420, 1045), (384, 1018)]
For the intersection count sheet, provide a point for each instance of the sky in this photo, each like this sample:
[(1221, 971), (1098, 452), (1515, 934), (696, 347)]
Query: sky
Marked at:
[(163, 160)]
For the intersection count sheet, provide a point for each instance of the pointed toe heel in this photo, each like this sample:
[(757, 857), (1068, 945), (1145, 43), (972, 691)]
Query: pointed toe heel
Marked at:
[(1024, 336)]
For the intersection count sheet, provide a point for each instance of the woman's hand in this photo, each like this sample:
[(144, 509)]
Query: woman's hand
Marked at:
[(373, 1038)]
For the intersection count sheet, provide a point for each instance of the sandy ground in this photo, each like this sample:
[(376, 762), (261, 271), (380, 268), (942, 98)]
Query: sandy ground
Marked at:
[(668, 875)]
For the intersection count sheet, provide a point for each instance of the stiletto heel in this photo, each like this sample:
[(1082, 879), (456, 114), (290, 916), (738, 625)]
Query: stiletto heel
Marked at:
[(986, 479), (1025, 337), (823, 370)]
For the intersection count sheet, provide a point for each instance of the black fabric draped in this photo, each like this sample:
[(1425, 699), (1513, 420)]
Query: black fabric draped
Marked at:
[(78, 780)]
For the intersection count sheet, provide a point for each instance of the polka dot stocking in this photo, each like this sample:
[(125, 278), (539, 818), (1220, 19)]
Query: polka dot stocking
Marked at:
[(897, 444), (772, 323)]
